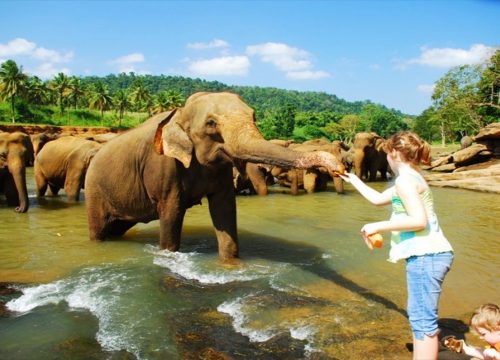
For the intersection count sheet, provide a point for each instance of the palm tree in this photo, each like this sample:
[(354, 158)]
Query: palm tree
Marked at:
[(12, 81), (140, 94), (59, 85), (122, 104), (37, 92), (100, 98), (167, 100), (74, 91)]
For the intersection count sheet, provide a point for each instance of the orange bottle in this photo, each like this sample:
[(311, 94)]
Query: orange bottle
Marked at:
[(377, 240)]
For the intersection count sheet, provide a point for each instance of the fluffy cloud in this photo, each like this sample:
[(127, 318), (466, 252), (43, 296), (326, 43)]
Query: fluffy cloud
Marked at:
[(449, 57), (48, 70), (284, 57), (296, 63), (216, 43), (22, 47), (225, 65), (128, 62)]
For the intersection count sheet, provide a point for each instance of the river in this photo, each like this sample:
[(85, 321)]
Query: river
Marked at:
[(307, 286)]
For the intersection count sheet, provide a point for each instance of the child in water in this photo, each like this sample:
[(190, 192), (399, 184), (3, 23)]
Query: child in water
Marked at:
[(416, 236)]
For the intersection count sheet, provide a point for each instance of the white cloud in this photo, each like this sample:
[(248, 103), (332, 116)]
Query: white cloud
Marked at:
[(374, 66), (126, 63), (47, 70), (426, 89), (449, 57), (284, 57), (226, 65), (23, 47), (307, 75), (216, 43)]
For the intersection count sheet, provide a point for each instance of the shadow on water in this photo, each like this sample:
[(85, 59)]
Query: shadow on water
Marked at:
[(254, 245)]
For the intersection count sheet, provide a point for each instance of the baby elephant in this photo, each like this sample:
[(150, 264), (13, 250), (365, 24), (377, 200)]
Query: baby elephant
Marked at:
[(63, 163)]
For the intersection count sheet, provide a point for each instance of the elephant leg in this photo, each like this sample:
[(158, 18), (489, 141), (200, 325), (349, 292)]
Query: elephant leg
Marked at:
[(73, 183), (310, 178), (257, 178), (41, 184), (294, 178), (339, 185), (222, 207), (171, 215)]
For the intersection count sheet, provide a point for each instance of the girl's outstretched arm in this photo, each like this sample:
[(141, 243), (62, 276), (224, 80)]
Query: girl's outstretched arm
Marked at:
[(372, 195)]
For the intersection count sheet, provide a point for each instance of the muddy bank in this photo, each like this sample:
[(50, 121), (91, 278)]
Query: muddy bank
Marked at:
[(60, 130)]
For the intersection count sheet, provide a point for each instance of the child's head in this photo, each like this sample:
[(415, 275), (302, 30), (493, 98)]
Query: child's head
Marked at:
[(485, 321), (410, 147)]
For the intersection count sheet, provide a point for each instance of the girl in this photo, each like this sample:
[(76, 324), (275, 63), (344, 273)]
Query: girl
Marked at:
[(416, 236)]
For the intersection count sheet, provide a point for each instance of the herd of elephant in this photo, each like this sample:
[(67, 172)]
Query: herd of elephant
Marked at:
[(210, 147)]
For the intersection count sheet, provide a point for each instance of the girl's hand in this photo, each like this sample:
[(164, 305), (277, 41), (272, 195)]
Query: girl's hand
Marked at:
[(348, 177), (366, 231), (491, 354)]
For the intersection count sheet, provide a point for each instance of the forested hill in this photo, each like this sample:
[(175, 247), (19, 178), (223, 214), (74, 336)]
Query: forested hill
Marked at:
[(261, 98)]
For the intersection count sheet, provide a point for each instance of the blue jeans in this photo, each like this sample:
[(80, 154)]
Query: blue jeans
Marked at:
[(424, 277)]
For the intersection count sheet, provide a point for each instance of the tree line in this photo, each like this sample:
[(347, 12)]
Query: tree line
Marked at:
[(464, 99)]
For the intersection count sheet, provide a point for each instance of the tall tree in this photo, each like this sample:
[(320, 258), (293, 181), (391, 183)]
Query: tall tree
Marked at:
[(74, 91), (36, 91), (140, 95), (121, 104), (100, 98), (12, 82), (454, 99), (60, 85)]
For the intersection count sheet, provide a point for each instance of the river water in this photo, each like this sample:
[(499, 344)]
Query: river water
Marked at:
[(307, 286)]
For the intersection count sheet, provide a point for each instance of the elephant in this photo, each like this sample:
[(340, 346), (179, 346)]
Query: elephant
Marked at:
[(62, 163), (171, 161), (466, 141), (369, 156), (250, 178), (39, 140), (16, 152), (315, 179)]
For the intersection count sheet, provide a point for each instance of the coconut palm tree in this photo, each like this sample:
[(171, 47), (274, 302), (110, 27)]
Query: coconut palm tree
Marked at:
[(36, 91), (12, 82), (121, 103), (139, 95), (74, 91), (60, 85), (100, 98)]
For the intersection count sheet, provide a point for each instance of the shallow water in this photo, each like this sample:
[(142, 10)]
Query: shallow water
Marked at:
[(307, 287)]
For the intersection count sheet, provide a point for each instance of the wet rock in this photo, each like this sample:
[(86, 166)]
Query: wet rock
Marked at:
[(7, 293)]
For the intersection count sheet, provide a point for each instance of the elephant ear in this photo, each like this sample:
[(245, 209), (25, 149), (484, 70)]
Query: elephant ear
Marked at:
[(171, 140)]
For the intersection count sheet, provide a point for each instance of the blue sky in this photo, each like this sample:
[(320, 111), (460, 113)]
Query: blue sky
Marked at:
[(389, 52)]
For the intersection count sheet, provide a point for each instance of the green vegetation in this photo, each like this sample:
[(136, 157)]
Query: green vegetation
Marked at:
[(464, 100)]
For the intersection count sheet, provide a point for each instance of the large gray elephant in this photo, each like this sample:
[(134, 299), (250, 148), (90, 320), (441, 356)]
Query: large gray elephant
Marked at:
[(170, 162), (369, 156), (16, 152), (62, 163)]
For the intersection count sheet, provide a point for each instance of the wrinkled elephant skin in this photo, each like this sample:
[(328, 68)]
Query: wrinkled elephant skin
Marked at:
[(167, 164)]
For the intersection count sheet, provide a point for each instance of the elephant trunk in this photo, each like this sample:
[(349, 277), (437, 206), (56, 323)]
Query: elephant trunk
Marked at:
[(18, 172), (265, 152)]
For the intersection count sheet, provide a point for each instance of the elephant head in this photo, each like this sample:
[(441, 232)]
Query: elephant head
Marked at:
[(219, 127), (16, 152)]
